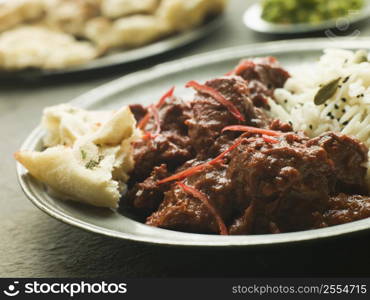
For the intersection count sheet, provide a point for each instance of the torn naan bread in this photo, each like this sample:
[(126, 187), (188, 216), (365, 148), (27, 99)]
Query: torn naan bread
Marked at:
[(15, 12), (32, 46), (93, 164), (70, 16), (179, 15), (128, 32)]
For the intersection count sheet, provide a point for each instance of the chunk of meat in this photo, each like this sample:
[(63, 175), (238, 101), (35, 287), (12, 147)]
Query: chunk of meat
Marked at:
[(167, 148), (259, 93), (263, 76), (285, 184), (147, 195), (278, 125), (210, 117), (139, 111), (349, 157), (172, 147), (347, 208), (181, 210), (266, 70)]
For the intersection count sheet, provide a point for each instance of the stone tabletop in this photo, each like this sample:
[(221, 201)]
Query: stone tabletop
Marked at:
[(33, 244)]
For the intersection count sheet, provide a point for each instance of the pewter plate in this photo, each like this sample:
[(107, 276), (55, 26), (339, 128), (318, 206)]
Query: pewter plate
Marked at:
[(253, 20), (145, 87), (127, 56)]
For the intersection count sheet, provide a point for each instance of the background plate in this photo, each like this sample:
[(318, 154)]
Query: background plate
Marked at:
[(147, 86), (253, 20), (128, 56)]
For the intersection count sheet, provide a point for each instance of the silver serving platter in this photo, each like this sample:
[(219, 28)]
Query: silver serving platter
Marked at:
[(253, 19), (128, 56), (145, 87)]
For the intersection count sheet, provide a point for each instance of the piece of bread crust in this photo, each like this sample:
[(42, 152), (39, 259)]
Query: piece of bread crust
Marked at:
[(15, 12), (129, 32), (19, 51), (95, 168), (58, 168), (179, 15), (70, 16)]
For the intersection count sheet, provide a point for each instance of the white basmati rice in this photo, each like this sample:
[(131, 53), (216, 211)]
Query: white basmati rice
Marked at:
[(347, 111)]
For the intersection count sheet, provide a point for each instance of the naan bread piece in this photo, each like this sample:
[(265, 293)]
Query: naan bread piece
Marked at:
[(95, 169), (181, 15), (173, 13), (58, 168), (100, 31), (138, 30), (120, 8), (14, 12), (70, 16), (39, 47), (116, 129), (65, 124), (129, 32)]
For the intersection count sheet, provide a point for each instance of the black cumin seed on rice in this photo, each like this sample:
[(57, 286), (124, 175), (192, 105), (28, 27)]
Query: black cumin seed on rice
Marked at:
[(286, 101), (344, 99), (345, 123), (336, 106), (311, 126), (343, 110), (346, 79)]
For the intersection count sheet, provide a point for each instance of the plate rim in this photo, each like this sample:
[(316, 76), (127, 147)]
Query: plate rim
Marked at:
[(253, 20), (97, 94)]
